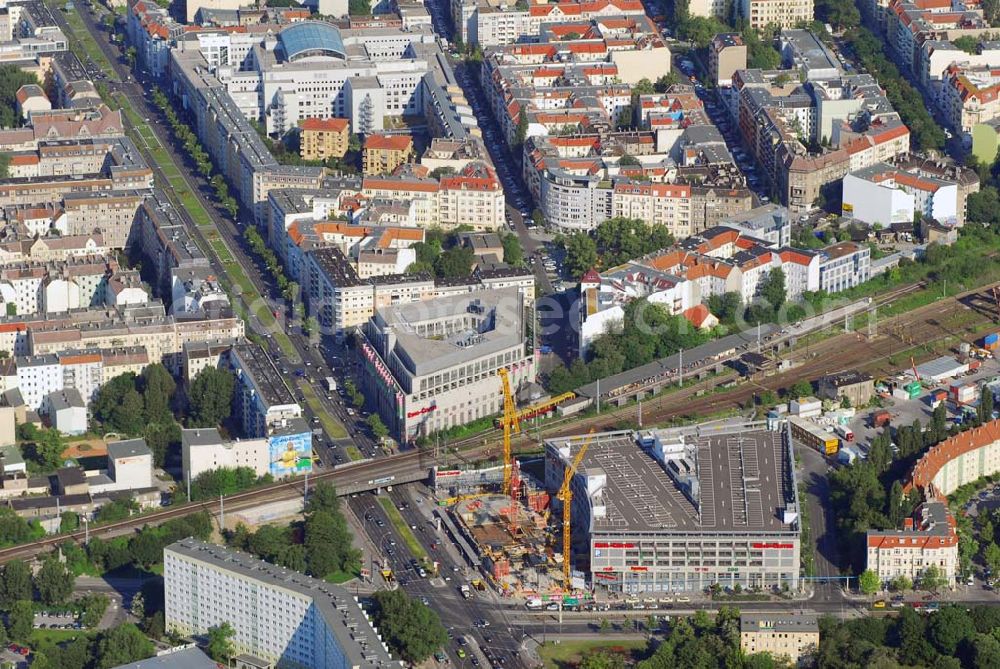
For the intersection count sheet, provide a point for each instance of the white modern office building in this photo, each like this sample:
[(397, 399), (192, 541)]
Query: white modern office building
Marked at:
[(282, 617), (433, 365)]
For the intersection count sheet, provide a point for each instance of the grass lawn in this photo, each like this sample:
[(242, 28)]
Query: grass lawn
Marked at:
[(330, 424), (353, 453), (42, 639), (404, 530), (339, 577), (568, 653)]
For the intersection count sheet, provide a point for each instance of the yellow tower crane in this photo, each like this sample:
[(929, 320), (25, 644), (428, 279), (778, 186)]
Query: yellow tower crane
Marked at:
[(565, 496), (511, 425)]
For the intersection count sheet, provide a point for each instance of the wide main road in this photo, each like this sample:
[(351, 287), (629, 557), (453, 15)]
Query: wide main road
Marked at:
[(135, 93)]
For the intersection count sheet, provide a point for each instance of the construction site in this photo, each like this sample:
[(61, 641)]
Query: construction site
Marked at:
[(505, 514)]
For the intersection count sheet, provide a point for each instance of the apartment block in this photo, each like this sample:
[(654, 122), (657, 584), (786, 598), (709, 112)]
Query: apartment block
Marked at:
[(322, 138), (885, 194), (781, 13), (726, 54), (844, 265), (280, 617), (783, 635), (262, 401), (384, 153), (928, 538)]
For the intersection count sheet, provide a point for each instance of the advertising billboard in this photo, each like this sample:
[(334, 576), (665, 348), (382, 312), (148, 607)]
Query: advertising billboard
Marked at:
[(290, 454)]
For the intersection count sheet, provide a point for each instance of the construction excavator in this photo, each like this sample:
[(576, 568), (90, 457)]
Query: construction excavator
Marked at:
[(565, 496)]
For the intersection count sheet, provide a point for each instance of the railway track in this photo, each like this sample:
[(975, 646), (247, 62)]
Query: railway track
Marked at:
[(844, 351), (838, 353), (274, 492)]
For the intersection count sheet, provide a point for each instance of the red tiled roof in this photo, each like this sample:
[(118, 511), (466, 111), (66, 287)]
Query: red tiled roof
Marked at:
[(325, 124), (389, 142), (938, 456)]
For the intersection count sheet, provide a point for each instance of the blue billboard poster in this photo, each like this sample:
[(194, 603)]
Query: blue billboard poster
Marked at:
[(290, 454)]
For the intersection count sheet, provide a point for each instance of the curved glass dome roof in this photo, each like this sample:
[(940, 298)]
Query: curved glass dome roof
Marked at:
[(311, 38)]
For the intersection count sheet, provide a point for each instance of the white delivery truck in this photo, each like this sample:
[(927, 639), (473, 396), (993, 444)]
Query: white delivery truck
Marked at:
[(845, 433), (331, 383)]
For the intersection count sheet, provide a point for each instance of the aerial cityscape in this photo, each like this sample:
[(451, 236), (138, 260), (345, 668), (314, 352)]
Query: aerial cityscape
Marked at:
[(479, 334)]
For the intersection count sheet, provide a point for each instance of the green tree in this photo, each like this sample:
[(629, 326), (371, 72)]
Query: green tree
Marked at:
[(359, 7), (123, 644), (901, 583), (991, 556), (869, 582), (21, 619), (377, 427), (16, 583), (92, 606), (985, 408), (772, 288), (513, 254), (44, 449), (68, 521), (948, 628), (325, 536), (456, 262), (220, 645), (521, 132), (323, 497), (966, 43), (162, 438), (643, 87), (54, 582), (158, 392), (412, 630), (110, 396), (11, 79), (602, 660), (128, 416), (116, 510), (800, 389), (985, 652), (581, 253), (211, 397), (726, 307), (931, 579), (5, 167)]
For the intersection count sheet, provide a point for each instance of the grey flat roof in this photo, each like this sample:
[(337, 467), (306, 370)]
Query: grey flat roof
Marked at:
[(128, 448), (502, 328), (744, 481), (254, 361), (10, 455), (201, 436), (337, 606), (189, 658), (944, 366), (779, 621)]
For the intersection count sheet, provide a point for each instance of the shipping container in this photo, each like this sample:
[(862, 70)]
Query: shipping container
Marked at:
[(964, 393), (881, 418), (814, 436)]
